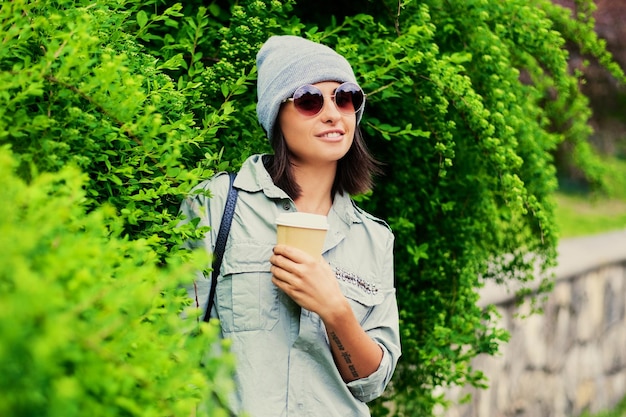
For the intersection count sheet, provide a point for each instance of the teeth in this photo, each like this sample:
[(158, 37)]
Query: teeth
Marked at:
[(332, 135)]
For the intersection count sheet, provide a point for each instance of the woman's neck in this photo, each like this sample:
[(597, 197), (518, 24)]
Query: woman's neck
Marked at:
[(316, 186)]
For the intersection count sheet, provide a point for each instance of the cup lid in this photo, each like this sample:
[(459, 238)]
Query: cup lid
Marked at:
[(304, 220)]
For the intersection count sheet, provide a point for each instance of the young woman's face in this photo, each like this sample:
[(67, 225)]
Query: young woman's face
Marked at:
[(325, 137)]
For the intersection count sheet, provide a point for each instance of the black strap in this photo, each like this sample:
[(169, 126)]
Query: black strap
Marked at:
[(220, 242)]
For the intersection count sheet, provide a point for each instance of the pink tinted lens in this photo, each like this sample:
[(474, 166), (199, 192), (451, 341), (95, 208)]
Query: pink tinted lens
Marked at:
[(349, 98), (308, 100)]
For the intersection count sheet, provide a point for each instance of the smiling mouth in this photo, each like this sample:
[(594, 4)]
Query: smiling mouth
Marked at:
[(332, 135)]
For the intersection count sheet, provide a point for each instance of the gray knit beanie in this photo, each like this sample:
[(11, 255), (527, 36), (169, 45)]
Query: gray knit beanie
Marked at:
[(285, 63)]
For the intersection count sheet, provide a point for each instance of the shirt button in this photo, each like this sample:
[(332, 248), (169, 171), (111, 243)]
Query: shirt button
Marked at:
[(286, 205)]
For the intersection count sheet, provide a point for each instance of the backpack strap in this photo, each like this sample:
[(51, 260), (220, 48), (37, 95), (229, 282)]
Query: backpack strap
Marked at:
[(220, 242)]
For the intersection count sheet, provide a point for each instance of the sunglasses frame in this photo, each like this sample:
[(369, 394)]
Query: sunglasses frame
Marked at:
[(332, 97)]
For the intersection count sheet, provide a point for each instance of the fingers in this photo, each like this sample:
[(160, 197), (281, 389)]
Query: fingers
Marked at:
[(281, 263), (290, 266), (308, 281), (282, 266), (291, 252), (289, 257), (279, 272), (285, 275)]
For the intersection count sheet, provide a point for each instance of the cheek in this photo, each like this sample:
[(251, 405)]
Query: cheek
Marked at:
[(293, 127), (287, 123)]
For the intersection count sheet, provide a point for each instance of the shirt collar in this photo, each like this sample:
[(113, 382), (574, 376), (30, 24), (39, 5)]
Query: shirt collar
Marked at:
[(253, 177)]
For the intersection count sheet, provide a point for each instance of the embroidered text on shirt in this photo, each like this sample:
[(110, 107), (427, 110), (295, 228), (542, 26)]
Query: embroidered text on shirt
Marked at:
[(351, 278)]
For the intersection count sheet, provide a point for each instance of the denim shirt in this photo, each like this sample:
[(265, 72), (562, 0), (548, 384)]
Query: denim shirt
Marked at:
[(284, 362)]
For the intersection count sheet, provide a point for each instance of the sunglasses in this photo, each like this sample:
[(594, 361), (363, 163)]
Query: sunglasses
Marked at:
[(309, 100)]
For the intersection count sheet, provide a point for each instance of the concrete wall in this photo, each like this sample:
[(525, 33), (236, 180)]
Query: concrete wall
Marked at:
[(570, 359)]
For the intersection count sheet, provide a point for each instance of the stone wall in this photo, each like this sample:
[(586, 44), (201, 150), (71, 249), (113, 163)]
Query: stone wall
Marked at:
[(570, 359)]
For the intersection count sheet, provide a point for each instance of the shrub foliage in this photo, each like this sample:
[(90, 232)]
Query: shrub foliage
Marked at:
[(467, 103), (89, 319)]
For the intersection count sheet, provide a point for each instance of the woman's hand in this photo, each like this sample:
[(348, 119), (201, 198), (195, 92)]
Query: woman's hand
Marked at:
[(308, 281), (311, 283)]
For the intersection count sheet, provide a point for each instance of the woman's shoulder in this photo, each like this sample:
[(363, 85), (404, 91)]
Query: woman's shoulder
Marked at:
[(371, 220), (214, 180), (215, 187)]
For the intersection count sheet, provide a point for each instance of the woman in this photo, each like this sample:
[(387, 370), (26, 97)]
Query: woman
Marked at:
[(312, 336)]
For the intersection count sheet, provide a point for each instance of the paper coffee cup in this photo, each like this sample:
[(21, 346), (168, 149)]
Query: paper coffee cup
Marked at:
[(304, 231)]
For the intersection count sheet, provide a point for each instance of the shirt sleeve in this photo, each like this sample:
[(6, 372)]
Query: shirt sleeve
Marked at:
[(382, 326), (205, 203)]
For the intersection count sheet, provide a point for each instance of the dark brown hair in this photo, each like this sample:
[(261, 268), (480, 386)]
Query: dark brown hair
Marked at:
[(354, 175)]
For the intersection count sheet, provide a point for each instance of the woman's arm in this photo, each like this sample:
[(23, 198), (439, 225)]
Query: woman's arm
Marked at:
[(312, 284), (356, 354)]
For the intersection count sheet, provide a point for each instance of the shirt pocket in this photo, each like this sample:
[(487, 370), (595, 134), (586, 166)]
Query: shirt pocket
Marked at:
[(362, 294), (247, 299)]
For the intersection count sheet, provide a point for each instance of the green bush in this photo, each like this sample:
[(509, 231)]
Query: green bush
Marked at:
[(91, 306), (467, 103), (89, 322)]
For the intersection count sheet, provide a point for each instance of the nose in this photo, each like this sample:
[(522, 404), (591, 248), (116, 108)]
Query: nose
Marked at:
[(330, 111)]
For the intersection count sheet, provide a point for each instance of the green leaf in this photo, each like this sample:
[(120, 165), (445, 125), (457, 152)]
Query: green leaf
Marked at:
[(142, 18)]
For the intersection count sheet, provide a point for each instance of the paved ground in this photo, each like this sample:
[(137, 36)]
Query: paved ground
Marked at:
[(576, 255), (590, 252)]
